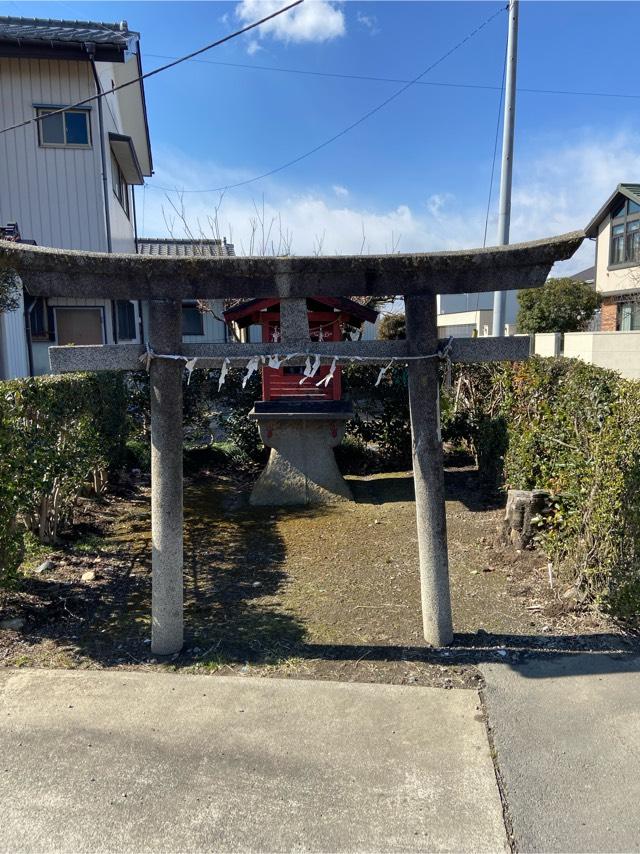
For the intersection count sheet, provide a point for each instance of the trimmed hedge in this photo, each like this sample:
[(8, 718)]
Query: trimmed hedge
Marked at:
[(572, 429), (59, 435), (575, 429)]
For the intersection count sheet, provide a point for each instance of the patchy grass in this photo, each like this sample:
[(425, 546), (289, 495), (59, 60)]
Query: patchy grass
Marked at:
[(316, 593)]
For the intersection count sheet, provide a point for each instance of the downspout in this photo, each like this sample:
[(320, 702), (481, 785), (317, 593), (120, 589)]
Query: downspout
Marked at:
[(135, 238), (27, 329), (135, 216), (91, 49)]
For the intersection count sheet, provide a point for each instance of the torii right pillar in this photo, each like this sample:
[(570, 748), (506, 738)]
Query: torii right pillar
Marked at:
[(428, 471)]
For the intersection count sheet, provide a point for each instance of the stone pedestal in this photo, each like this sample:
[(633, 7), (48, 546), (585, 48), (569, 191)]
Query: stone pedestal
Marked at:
[(302, 467)]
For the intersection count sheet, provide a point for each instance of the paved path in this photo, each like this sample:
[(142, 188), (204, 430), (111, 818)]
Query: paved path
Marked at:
[(113, 761), (567, 734)]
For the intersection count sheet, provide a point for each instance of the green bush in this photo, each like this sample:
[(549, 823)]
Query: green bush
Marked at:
[(574, 430), (60, 434), (11, 536), (236, 403), (382, 412)]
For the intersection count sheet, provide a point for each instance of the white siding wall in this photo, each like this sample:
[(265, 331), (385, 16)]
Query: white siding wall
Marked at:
[(53, 193), (122, 231), (213, 329), (14, 359)]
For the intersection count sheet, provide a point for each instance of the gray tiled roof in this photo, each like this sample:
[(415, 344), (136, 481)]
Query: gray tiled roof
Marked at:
[(50, 32), (185, 248), (587, 275)]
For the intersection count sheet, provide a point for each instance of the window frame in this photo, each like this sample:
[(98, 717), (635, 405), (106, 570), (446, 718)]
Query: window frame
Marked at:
[(130, 306), (122, 192), (633, 308), (42, 110), (623, 220), (191, 305), (39, 304)]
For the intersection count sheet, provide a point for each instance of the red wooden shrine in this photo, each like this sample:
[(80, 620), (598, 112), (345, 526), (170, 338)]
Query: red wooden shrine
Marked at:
[(328, 319)]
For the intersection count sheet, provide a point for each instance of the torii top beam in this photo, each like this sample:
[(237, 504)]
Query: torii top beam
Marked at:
[(71, 273)]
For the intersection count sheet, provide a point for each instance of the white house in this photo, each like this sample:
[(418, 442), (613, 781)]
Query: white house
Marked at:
[(614, 338), (67, 179), (616, 231)]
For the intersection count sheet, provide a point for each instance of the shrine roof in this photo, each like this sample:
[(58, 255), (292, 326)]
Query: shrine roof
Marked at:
[(66, 272), (245, 309)]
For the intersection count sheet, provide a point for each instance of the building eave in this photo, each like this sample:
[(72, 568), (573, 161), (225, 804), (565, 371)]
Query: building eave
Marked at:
[(621, 190)]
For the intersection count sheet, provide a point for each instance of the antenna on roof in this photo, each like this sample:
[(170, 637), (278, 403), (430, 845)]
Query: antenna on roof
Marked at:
[(124, 26)]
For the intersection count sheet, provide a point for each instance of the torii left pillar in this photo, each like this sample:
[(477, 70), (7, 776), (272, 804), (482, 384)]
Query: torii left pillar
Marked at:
[(165, 336)]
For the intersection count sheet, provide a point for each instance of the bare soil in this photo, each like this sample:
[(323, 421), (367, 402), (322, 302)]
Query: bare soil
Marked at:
[(330, 593)]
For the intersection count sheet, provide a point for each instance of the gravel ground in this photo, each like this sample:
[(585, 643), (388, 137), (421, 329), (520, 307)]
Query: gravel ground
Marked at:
[(328, 594)]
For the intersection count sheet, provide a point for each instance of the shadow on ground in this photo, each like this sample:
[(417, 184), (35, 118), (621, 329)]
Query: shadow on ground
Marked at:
[(464, 485), (300, 592)]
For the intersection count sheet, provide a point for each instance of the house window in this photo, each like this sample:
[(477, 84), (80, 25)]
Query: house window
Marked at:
[(120, 186), (126, 318), (69, 129), (629, 316), (79, 325), (192, 323), (38, 319), (625, 234)]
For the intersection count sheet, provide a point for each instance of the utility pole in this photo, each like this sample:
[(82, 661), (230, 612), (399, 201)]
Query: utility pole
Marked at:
[(506, 172)]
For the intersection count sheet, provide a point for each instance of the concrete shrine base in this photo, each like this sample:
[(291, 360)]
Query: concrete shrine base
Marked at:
[(302, 467)]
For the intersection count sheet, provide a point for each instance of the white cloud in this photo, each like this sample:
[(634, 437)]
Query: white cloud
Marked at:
[(556, 191), (437, 201), (313, 21), (253, 47), (369, 22)]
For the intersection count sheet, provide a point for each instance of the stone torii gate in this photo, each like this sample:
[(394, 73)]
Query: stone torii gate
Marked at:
[(165, 282)]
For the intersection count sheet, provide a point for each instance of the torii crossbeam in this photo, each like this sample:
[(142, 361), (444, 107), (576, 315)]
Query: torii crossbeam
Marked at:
[(165, 282)]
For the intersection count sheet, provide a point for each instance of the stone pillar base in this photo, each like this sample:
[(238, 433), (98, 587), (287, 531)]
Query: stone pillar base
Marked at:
[(302, 468)]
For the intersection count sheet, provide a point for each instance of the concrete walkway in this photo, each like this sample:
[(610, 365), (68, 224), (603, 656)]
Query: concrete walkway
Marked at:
[(113, 761), (567, 735)]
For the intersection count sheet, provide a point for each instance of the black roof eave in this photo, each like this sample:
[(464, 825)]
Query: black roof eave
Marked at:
[(25, 49)]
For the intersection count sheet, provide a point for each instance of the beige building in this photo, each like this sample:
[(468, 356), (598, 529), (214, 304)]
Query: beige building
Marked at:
[(616, 230), (67, 178)]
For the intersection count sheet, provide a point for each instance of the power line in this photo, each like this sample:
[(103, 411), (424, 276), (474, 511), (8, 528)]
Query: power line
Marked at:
[(375, 79), (155, 70), (350, 127)]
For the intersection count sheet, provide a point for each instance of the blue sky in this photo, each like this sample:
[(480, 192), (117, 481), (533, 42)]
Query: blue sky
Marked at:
[(415, 175)]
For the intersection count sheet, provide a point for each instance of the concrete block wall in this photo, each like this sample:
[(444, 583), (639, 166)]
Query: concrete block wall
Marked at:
[(617, 351), (548, 344)]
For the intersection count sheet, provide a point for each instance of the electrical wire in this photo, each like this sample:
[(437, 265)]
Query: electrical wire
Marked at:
[(345, 130), (375, 79), (154, 71)]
